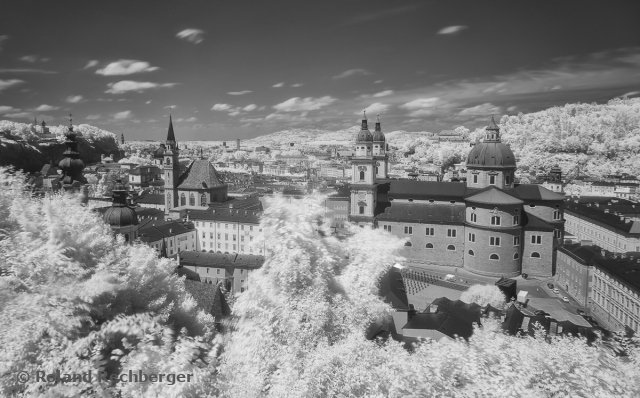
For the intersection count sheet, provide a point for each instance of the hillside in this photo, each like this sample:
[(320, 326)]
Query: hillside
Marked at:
[(24, 149)]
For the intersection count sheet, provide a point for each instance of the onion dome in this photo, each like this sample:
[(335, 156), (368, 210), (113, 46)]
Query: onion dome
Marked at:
[(364, 135), (378, 136), (491, 152), (71, 165), (120, 214)]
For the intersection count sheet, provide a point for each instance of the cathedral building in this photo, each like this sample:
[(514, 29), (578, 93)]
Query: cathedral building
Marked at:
[(488, 225)]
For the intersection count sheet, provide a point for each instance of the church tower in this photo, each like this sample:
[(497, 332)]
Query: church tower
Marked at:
[(364, 176), (380, 152), (170, 170)]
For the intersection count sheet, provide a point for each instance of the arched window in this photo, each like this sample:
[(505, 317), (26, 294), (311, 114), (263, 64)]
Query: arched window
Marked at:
[(183, 199), (203, 200), (474, 217), (471, 253), (429, 246), (516, 256), (494, 257), (408, 244), (362, 175), (192, 199), (535, 255), (451, 247)]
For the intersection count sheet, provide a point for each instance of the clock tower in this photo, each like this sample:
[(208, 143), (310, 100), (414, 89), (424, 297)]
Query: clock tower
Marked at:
[(366, 169)]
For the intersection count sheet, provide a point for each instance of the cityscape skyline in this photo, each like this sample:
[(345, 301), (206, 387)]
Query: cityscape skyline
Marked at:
[(239, 70)]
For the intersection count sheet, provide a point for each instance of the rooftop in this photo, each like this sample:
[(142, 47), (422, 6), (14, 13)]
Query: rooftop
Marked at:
[(608, 220), (200, 175), (157, 230), (493, 195), (226, 215), (220, 260), (424, 213)]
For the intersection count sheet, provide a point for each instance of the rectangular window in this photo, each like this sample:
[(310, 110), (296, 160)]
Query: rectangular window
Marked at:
[(516, 219), (472, 237), (451, 233), (429, 231), (492, 180), (556, 214), (218, 236), (234, 237), (494, 241), (226, 236), (251, 228), (536, 239), (495, 220), (408, 230), (210, 235), (475, 178), (516, 241)]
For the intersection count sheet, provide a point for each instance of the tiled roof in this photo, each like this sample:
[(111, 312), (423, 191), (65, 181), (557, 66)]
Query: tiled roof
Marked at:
[(533, 223), (151, 198), (493, 195), (536, 192), (424, 213), (627, 270), (424, 190), (226, 215), (607, 220), (200, 175), (219, 260), (157, 230)]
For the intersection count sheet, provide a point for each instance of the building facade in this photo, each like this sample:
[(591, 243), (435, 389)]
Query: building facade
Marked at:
[(231, 270), (488, 225)]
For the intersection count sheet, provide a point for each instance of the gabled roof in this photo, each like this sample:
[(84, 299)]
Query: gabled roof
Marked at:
[(200, 175), (536, 192), (151, 198), (226, 215), (493, 195)]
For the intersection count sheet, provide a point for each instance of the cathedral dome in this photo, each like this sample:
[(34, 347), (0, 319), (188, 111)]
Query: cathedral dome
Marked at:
[(491, 153)]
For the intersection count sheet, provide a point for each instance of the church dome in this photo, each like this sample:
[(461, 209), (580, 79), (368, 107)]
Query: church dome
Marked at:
[(364, 135), (491, 153), (120, 214)]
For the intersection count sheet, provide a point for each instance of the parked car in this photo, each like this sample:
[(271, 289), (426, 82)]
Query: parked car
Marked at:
[(550, 285), (556, 291), (565, 299), (580, 312)]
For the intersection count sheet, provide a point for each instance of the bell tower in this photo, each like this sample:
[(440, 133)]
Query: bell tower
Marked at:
[(170, 166), (363, 177)]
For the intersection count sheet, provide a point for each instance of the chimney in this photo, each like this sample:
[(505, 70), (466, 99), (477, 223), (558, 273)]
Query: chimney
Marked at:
[(603, 253)]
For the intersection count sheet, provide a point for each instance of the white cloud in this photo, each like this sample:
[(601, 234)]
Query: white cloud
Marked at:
[(297, 85), (449, 30), (189, 119), (33, 59), (46, 108), (378, 81), (7, 109), (484, 109), (74, 99), (375, 108), (243, 92), (124, 67), (122, 115), (221, 107), (630, 94), (234, 112), (125, 86), (278, 85), (297, 104), (148, 102), (250, 107), (92, 117), (421, 106), (19, 115), (91, 64), (5, 84), (191, 35), (383, 93), (169, 106), (352, 72)]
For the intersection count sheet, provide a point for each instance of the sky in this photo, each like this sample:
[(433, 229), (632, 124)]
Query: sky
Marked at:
[(244, 68)]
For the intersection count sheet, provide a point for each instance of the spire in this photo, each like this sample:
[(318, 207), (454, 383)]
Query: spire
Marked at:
[(378, 128), (71, 165), (364, 121), (119, 193), (35, 121), (171, 138), (70, 123)]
